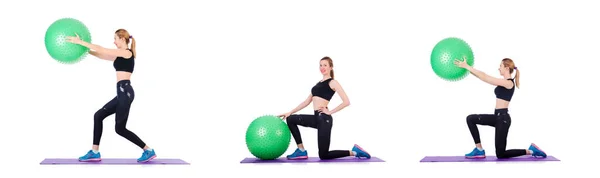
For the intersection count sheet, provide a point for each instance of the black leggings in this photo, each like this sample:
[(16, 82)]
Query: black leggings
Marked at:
[(323, 123), (501, 121), (120, 107)]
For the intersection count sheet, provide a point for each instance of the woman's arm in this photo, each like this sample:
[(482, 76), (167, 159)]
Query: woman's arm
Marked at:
[(302, 105), (105, 51), (489, 79), (335, 85), (102, 56)]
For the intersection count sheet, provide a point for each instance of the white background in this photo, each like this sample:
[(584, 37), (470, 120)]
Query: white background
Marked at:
[(204, 72)]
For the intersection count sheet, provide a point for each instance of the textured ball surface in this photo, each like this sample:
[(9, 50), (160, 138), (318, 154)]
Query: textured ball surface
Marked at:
[(443, 55), (268, 137), (57, 46)]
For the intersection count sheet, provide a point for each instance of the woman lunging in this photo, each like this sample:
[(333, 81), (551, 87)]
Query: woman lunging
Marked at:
[(322, 120), (123, 62), (500, 120)]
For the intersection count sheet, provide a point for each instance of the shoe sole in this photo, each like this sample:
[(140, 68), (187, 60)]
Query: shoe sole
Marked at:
[(363, 150), (91, 160), (538, 148), (475, 157), (299, 157), (149, 159)]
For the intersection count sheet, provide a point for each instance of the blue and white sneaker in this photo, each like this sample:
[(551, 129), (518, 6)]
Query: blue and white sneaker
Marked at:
[(360, 152), (298, 154), (476, 153), (90, 156), (537, 152), (148, 155)]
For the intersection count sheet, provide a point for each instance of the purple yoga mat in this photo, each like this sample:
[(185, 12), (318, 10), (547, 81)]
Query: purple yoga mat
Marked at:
[(487, 159), (119, 161), (313, 160)]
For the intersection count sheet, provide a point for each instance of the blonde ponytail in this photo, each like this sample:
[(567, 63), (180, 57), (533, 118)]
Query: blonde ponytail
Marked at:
[(133, 46)]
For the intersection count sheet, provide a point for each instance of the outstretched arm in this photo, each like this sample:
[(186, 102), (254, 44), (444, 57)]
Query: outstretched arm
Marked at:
[(102, 56), (335, 85), (105, 51), (302, 105), (101, 50), (489, 79)]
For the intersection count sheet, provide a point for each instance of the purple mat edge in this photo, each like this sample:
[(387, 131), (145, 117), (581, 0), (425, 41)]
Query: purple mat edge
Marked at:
[(251, 160), (433, 159), (114, 161)]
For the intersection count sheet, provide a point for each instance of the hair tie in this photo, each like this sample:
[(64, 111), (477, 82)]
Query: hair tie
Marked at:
[(515, 68), (130, 37)]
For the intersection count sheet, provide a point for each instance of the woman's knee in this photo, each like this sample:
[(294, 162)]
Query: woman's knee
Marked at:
[(292, 120), (101, 114), (324, 156), (471, 118), (120, 129), (501, 154)]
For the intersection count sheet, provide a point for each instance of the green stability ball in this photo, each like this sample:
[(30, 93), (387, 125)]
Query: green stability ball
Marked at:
[(443, 55), (268, 137), (57, 46)]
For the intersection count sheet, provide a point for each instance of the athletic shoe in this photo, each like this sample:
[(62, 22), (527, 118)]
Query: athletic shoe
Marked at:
[(537, 152), (476, 153), (147, 156), (90, 156), (298, 154), (360, 152)]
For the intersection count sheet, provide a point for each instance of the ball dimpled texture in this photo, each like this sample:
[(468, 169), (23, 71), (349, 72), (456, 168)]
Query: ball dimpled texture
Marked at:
[(443, 55), (268, 137), (56, 42)]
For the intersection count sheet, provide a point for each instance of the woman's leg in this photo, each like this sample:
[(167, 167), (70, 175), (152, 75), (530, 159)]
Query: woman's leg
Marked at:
[(472, 121), (502, 127), (102, 113), (293, 121), (324, 126), (125, 96)]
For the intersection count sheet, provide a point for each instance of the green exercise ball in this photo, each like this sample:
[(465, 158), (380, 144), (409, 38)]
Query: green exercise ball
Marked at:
[(268, 137), (57, 46), (443, 55)]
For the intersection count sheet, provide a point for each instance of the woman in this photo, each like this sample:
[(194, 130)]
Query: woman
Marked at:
[(123, 62), (320, 96), (505, 87)]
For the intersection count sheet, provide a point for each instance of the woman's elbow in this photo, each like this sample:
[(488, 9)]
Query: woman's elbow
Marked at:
[(347, 103)]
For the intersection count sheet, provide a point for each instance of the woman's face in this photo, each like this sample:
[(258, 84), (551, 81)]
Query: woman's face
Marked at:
[(324, 67), (503, 69), (119, 42)]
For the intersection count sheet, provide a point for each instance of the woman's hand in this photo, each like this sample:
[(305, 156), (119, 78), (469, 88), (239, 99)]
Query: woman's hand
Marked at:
[(284, 116), (461, 64), (74, 39), (324, 110)]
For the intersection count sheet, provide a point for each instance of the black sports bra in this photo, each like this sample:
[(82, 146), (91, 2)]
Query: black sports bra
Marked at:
[(126, 65), (323, 90), (503, 93)]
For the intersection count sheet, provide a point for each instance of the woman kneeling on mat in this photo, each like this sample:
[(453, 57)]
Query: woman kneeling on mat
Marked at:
[(500, 120), (123, 62), (320, 96)]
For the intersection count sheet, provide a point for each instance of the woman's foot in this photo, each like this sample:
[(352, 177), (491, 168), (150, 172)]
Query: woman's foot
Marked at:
[(360, 152), (148, 155), (298, 154), (476, 153), (537, 152), (90, 156)]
